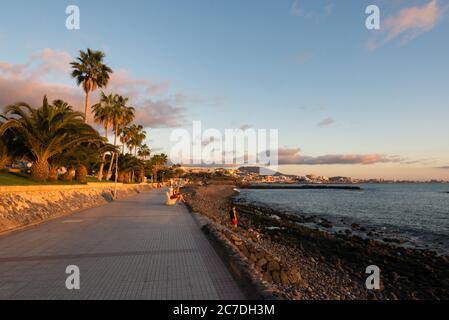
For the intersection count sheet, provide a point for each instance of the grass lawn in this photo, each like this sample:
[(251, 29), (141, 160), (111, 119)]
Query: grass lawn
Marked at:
[(23, 179)]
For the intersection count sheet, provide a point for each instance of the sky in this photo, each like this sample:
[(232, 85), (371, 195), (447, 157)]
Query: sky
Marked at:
[(346, 100)]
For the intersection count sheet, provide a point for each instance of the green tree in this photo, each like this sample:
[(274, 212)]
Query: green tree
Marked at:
[(157, 162), (123, 115), (104, 114), (144, 151), (46, 131)]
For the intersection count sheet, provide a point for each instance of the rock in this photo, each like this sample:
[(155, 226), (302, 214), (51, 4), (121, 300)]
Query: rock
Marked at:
[(394, 276), (245, 251), (262, 262), (393, 296), (294, 276), (273, 266), (235, 238), (325, 224), (284, 278), (253, 257), (355, 226), (266, 276), (371, 296), (276, 277)]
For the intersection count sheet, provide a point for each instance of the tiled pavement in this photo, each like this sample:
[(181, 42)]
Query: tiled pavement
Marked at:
[(136, 248)]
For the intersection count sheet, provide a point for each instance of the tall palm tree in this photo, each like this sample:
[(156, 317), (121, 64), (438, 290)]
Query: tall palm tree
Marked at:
[(122, 116), (144, 151), (104, 114), (157, 161), (139, 136), (135, 137), (91, 73), (46, 131), (128, 164), (125, 138)]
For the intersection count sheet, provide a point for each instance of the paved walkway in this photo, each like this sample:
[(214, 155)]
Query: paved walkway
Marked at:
[(136, 248)]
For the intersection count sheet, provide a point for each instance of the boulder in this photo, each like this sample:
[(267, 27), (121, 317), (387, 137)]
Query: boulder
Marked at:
[(294, 276), (253, 257), (284, 278), (245, 251), (266, 276), (276, 277), (273, 266), (235, 238), (262, 262)]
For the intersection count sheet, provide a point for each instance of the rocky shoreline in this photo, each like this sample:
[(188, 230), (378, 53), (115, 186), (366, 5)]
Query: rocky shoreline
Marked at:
[(325, 265), (305, 187)]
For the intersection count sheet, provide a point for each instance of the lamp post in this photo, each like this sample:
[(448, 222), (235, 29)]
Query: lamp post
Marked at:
[(116, 176)]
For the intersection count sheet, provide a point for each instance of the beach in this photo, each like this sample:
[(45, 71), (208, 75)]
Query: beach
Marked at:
[(331, 265)]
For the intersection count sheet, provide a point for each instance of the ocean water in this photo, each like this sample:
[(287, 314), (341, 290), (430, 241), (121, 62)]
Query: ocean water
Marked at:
[(416, 213)]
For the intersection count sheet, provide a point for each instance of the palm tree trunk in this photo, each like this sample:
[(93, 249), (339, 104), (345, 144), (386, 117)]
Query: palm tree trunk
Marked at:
[(86, 106), (114, 154), (100, 171), (81, 173), (40, 170)]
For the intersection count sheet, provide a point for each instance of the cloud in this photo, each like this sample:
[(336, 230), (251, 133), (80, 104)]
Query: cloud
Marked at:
[(159, 114), (408, 24), (297, 10), (302, 57), (245, 127), (293, 156), (121, 81), (443, 167), (325, 122), (29, 82)]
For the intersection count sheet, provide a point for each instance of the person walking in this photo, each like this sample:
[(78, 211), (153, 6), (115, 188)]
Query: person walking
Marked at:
[(233, 217)]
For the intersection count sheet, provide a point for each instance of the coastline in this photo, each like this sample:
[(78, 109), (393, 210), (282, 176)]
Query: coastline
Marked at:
[(332, 266)]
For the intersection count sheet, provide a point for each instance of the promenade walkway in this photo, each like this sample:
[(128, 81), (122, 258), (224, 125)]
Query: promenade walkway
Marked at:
[(136, 248)]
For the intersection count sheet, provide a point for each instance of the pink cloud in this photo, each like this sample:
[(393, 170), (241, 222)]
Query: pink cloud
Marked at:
[(122, 81), (409, 23), (293, 156), (160, 113), (29, 82)]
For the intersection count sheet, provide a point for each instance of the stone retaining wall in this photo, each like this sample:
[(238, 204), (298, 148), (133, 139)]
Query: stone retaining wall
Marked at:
[(26, 205)]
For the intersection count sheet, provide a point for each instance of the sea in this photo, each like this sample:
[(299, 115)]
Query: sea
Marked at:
[(415, 213)]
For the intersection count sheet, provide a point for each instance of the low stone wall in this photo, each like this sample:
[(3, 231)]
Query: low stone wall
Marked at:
[(26, 205)]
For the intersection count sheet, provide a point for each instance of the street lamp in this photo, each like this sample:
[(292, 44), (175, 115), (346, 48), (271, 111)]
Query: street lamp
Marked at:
[(116, 174)]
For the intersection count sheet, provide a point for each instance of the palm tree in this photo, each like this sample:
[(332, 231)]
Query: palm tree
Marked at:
[(138, 137), (127, 164), (91, 73), (125, 138), (133, 136), (122, 116), (62, 106), (157, 161), (5, 157), (144, 151), (87, 155), (46, 131), (104, 114)]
